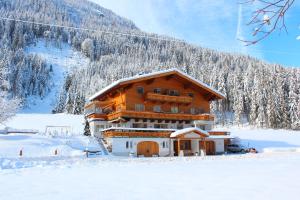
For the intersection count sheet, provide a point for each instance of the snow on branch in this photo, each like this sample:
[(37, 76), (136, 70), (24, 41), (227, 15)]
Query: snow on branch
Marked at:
[(269, 16)]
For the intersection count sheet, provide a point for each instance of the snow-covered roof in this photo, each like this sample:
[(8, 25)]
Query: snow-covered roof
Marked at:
[(116, 83), (221, 137), (138, 129), (188, 130)]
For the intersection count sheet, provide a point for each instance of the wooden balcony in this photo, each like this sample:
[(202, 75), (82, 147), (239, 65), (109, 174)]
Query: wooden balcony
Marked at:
[(153, 115), (218, 133), (167, 98), (136, 134), (97, 116)]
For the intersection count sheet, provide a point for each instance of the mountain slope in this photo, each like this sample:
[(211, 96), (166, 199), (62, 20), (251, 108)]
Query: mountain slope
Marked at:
[(62, 60), (263, 94)]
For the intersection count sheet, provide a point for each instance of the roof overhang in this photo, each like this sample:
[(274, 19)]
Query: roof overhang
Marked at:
[(173, 71)]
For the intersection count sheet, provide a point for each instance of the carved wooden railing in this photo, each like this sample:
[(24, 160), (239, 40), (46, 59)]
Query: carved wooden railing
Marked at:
[(167, 98)]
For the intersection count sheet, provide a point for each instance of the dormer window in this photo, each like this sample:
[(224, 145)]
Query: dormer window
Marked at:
[(140, 90)]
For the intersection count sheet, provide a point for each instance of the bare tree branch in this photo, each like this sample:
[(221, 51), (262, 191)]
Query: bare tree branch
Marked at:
[(266, 19)]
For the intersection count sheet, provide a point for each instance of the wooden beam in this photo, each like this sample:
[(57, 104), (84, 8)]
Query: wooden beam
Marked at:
[(127, 87), (169, 77), (178, 147), (149, 81)]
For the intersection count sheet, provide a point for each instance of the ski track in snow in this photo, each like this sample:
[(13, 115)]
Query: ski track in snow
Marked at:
[(62, 59)]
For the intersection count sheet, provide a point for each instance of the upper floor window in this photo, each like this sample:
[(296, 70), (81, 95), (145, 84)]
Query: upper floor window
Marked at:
[(157, 90), (140, 90), (191, 94), (173, 93), (139, 107), (157, 108), (201, 110), (193, 111), (174, 109)]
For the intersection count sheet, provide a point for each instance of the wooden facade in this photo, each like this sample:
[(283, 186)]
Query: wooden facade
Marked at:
[(170, 93), (169, 97)]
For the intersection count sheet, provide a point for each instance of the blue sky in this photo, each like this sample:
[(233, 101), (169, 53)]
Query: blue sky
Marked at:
[(212, 23)]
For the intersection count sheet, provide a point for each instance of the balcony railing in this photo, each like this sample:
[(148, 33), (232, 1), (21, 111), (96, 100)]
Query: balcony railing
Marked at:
[(153, 115), (136, 134), (167, 98)]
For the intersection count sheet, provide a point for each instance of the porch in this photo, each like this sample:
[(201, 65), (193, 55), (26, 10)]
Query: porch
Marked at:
[(192, 142)]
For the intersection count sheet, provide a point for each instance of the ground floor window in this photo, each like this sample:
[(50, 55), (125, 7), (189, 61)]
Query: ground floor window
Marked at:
[(160, 125), (165, 144), (139, 125)]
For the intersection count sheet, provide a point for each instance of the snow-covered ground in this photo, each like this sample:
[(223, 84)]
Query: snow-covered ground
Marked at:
[(41, 121), (255, 176), (62, 60), (39, 174), (266, 139)]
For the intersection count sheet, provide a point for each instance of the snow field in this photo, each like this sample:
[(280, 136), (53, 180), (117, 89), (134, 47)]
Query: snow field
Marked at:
[(267, 140), (41, 121), (256, 176)]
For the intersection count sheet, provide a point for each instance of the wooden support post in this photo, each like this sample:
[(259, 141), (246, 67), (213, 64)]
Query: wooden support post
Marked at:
[(204, 146), (178, 147)]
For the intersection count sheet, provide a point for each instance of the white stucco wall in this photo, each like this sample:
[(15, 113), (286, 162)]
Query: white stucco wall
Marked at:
[(219, 145), (119, 145)]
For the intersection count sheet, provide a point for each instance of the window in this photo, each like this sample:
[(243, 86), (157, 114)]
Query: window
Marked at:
[(139, 107), (157, 90), (131, 145), (201, 110), (157, 108), (160, 125), (127, 144), (193, 111), (140, 90), (200, 126), (164, 144), (173, 93), (174, 109), (139, 125), (119, 107), (179, 126), (191, 94)]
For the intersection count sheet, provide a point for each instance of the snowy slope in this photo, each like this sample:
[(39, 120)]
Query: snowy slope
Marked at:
[(62, 59)]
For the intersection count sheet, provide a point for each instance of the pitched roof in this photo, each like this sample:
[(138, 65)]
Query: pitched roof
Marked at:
[(189, 130), (158, 74)]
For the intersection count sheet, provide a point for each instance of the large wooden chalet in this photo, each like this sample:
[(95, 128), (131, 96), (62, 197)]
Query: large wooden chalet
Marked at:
[(164, 113)]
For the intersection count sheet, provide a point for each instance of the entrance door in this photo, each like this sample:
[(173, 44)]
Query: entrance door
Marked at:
[(147, 148), (185, 145), (209, 145)]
